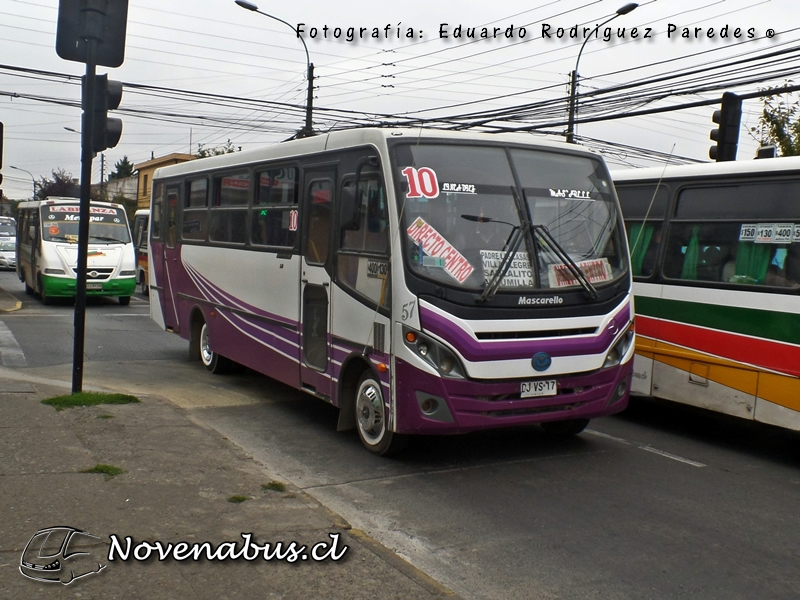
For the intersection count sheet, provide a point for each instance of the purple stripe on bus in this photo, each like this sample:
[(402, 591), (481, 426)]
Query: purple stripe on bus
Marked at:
[(263, 333), (476, 351)]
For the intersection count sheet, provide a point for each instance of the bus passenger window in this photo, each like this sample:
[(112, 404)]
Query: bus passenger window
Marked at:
[(320, 194), (275, 216), (644, 240)]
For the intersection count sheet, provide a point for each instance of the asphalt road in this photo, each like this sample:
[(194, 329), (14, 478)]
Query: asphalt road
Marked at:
[(660, 502)]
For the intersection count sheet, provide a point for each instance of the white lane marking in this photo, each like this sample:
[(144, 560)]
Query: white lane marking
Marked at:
[(11, 354), (648, 449), (608, 437), (673, 456)]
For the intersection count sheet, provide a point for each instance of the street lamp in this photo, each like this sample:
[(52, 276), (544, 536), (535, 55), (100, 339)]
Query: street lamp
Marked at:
[(307, 128), (573, 89), (33, 179)]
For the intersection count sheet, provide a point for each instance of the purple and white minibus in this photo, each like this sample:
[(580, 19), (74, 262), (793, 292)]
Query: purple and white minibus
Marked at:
[(423, 282)]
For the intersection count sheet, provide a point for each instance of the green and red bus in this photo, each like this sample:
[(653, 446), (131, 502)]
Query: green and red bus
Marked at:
[(715, 253)]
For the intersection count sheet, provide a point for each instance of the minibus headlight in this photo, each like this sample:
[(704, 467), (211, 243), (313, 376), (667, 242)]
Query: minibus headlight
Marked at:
[(54, 271), (620, 348), (127, 273), (434, 353)]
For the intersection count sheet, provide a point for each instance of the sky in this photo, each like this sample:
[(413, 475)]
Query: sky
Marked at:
[(209, 72)]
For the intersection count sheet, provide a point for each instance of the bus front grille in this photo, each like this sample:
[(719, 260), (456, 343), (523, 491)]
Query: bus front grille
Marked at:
[(97, 274)]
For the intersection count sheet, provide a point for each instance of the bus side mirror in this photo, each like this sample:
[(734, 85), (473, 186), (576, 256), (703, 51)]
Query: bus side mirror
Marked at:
[(349, 210)]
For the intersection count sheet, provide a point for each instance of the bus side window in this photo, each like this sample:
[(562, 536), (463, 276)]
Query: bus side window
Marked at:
[(792, 265), (155, 216), (275, 214), (320, 196), (644, 240), (363, 263)]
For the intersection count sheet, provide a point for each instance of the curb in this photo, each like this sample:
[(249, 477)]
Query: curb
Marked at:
[(8, 303)]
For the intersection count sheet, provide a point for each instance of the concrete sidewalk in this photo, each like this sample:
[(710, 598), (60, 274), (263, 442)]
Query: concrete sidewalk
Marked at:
[(178, 482)]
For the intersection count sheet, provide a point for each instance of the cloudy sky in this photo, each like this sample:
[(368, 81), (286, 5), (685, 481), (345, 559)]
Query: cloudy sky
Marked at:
[(208, 71)]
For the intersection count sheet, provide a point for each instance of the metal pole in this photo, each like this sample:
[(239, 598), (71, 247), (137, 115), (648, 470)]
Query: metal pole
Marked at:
[(573, 88), (308, 129), (83, 224), (33, 179)]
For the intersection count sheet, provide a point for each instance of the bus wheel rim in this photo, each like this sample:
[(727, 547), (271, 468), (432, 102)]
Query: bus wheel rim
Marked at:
[(205, 351), (369, 412)]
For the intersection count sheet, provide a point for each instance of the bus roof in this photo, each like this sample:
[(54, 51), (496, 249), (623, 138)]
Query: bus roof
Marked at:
[(705, 170), (64, 200), (358, 137)]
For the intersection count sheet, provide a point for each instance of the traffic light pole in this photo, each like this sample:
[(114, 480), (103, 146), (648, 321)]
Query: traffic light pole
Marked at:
[(87, 154)]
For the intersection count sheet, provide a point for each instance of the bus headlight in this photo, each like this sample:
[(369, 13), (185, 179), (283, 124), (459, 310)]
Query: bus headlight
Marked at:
[(127, 273), (55, 272), (433, 353), (620, 348)]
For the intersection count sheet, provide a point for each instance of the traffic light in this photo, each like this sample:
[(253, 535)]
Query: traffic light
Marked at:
[(106, 130), (727, 134)]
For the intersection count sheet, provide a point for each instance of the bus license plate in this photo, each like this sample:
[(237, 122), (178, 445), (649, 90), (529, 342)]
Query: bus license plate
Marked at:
[(94, 286), (542, 387)]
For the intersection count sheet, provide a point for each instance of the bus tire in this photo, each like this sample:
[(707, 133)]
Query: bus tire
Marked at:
[(124, 300), (219, 365), (564, 429), (371, 418), (46, 300), (143, 286)]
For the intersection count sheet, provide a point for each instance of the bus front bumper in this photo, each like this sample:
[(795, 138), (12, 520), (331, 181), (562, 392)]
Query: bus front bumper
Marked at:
[(63, 287), (432, 405)]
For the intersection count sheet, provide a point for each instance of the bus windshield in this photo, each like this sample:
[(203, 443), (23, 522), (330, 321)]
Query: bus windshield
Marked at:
[(469, 211), (107, 225)]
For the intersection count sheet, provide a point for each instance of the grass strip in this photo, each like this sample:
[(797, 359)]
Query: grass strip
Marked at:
[(88, 399)]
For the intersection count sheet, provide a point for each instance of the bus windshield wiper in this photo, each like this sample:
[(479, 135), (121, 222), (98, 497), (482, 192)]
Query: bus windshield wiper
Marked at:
[(565, 258), (512, 244), (103, 238), (61, 238)]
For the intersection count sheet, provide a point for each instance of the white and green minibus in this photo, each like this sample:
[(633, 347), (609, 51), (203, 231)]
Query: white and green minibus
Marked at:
[(47, 249)]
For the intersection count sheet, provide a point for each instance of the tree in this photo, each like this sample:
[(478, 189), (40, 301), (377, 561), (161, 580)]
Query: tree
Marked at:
[(122, 169), (779, 123), (62, 184), (203, 152)]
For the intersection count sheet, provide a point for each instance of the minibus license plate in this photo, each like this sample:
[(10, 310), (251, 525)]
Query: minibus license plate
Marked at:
[(94, 286), (541, 387)]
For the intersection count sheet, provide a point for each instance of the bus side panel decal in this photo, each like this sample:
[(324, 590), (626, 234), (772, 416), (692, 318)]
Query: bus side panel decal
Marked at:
[(776, 356)]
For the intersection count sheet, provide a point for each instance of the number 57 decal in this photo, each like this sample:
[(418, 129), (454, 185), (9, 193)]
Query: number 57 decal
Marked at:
[(408, 310)]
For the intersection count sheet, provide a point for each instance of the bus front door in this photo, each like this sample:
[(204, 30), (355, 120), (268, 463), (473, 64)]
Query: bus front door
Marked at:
[(171, 259), (315, 364)]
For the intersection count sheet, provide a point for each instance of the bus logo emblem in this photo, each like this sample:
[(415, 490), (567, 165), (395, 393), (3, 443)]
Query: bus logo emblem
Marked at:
[(541, 361)]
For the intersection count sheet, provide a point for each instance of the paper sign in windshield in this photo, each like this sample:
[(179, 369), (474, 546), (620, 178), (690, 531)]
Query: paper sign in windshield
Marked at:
[(434, 244), (519, 274), (596, 271)]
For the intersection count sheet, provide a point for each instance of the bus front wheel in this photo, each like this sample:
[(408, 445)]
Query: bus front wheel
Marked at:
[(371, 421), (213, 362)]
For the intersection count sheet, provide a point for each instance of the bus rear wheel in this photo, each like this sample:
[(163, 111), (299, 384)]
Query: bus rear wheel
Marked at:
[(371, 420), (212, 361), (564, 429)]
